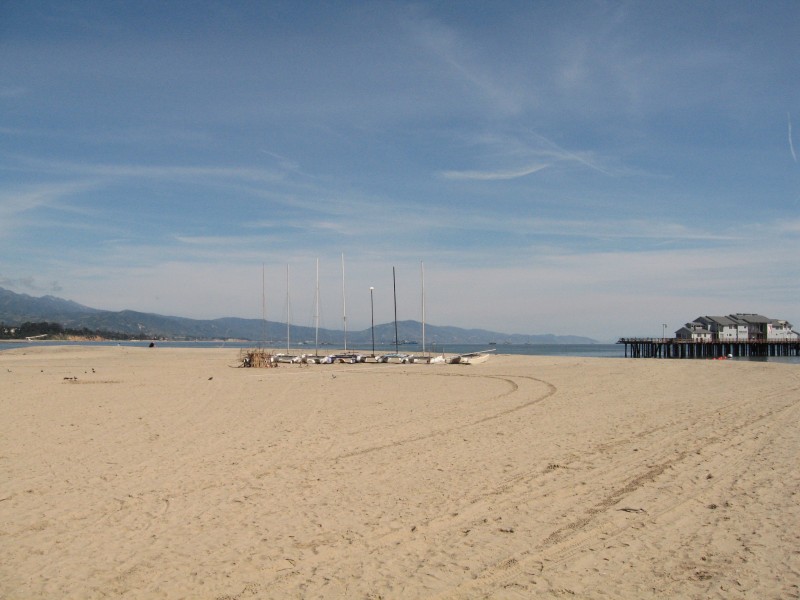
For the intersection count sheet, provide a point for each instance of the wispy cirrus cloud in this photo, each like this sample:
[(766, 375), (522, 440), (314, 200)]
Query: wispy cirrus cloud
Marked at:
[(24, 198), (465, 65), (126, 170), (494, 175), (557, 152), (528, 148)]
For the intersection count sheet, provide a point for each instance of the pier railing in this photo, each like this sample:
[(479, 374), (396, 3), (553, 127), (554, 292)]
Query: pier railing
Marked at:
[(679, 348)]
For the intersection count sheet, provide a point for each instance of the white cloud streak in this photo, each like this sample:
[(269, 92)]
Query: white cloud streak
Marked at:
[(24, 199), (493, 175), (446, 45), (168, 172)]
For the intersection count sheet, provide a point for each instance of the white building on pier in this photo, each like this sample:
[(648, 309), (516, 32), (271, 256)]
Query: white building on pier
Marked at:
[(739, 327)]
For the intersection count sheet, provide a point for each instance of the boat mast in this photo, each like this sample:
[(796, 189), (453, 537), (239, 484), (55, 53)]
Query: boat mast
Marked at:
[(422, 272), (344, 306), (263, 307), (316, 316), (288, 311), (394, 286)]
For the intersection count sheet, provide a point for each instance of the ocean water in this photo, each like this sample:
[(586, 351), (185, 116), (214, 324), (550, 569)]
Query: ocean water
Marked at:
[(594, 350), (584, 350), (597, 350)]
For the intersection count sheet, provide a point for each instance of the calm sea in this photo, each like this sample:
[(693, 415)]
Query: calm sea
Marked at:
[(586, 350), (599, 350)]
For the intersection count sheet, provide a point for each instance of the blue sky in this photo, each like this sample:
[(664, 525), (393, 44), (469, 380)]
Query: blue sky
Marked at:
[(591, 168)]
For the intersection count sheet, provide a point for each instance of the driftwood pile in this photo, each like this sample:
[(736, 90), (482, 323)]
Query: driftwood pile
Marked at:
[(259, 359)]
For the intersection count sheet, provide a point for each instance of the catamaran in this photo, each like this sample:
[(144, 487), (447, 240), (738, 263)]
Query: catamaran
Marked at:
[(288, 357), (394, 357), (347, 356), (471, 358), (425, 358), (315, 358)]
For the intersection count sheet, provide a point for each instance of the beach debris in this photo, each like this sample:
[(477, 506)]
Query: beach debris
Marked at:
[(256, 358), (632, 510)]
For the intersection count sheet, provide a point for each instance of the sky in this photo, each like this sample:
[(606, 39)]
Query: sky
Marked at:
[(597, 168)]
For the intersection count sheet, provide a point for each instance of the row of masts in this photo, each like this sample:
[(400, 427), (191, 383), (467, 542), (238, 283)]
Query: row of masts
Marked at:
[(344, 308)]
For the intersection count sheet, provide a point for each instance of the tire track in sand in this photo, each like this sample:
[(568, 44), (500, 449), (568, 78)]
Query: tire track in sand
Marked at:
[(514, 388), (597, 522), (327, 543)]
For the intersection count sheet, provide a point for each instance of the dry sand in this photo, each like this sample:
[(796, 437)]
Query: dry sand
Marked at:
[(164, 473)]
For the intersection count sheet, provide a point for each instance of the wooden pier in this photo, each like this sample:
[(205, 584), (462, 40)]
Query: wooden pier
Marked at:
[(676, 348)]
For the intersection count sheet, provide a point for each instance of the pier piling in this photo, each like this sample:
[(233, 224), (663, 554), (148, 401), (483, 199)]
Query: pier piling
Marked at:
[(678, 348)]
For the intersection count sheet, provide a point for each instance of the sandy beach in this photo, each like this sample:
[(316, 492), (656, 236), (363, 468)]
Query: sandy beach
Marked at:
[(167, 473)]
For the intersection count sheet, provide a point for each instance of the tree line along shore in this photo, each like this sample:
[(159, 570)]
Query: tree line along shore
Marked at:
[(56, 331)]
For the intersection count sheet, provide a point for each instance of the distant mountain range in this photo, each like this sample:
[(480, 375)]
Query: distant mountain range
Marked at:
[(16, 309)]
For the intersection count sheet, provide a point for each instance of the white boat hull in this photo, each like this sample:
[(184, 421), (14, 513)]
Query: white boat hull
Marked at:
[(472, 358)]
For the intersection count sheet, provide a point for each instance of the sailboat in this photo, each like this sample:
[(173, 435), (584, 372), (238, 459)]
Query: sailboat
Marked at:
[(396, 356), (471, 358), (316, 358), (263, 307), (425, 358), (288, 357), (347, 356)]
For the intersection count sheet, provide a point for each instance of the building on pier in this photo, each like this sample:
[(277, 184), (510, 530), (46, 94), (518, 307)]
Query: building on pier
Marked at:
[(739, 327), (740, 334)]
